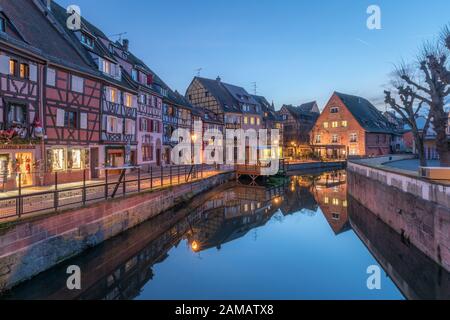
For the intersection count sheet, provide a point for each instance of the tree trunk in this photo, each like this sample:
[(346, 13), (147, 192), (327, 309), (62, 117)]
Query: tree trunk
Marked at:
[(440, 126), (421, 151)]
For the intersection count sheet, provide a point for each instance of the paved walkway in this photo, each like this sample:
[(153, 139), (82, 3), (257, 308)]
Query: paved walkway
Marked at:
[(70, 195), (411, 165)]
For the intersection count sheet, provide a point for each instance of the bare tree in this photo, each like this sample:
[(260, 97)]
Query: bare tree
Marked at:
[(433, 91), (409, 111)]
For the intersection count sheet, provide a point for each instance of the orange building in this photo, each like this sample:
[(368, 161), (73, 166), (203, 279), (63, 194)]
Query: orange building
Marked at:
[(351, 126)]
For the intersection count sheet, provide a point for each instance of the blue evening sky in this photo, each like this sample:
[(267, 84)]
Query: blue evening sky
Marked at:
[(295, 50)]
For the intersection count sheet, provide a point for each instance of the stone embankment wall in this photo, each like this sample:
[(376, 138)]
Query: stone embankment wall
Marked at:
[(34, 246), (417, 209)]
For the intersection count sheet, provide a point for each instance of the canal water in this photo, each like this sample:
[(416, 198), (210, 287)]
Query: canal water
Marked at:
[(300, 238)]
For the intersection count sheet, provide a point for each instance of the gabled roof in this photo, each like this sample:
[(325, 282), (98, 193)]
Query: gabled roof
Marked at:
[(369, 117), (42, 37), (217, 90), (300, 113), (310, 107), (240, 94), (267, 108), (60, 15)]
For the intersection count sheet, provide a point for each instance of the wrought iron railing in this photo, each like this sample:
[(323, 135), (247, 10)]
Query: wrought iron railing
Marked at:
[(61, 196)]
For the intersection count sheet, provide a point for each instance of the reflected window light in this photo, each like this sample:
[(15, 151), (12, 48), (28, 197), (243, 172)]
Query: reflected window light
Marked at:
[(195, 246)]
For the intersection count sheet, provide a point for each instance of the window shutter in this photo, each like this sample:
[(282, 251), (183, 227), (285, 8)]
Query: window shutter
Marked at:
[(33, 72), (60, 117), (83, 120), (108, 94), (100, 65), (119, 126), (109, 128), (4, 64)]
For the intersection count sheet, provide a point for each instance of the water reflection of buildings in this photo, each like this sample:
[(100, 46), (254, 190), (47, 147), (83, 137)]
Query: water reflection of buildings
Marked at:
[(330, 192), (233, 214), (121, 267), (299, 196)]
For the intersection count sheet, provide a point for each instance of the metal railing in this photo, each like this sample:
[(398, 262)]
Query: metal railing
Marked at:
[(60, 197)]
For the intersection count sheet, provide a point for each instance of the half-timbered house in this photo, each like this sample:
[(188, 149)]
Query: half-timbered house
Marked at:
[(63, 116), (297, 124), (118, 96), (20, 151), (149, 112)]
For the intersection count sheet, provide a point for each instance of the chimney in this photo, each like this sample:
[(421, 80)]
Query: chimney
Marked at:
[(126, 44), (218, 79)]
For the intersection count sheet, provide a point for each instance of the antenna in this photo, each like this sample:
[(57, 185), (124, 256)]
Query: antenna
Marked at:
[(199, 70), (255, 88), (118, 35)]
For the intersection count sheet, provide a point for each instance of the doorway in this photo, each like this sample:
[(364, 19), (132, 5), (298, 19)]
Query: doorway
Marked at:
[(24, 163)]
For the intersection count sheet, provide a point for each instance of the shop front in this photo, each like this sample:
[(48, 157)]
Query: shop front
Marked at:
[(68, 162), (17, 167)]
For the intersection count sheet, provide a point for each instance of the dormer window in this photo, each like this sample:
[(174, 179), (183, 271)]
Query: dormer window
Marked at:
[(111, 48), (2, 25), (124, 55), (87, 40), (134, 74)]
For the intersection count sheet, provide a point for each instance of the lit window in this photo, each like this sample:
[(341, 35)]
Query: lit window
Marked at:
[(335, 202), (258, 121), (353, 138), (326, 200), (344, 124), (353, 152), (24, 71), (58, 159), (106, 67), (13, 67), (51, 77), (325, 125), (245, 120), (345, 204), (128, 100), (252, 120), (74, 159), (335, 124), (113, 95)]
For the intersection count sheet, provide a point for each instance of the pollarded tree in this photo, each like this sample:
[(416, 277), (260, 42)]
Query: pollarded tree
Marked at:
[(433, 91), (409, 111)]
